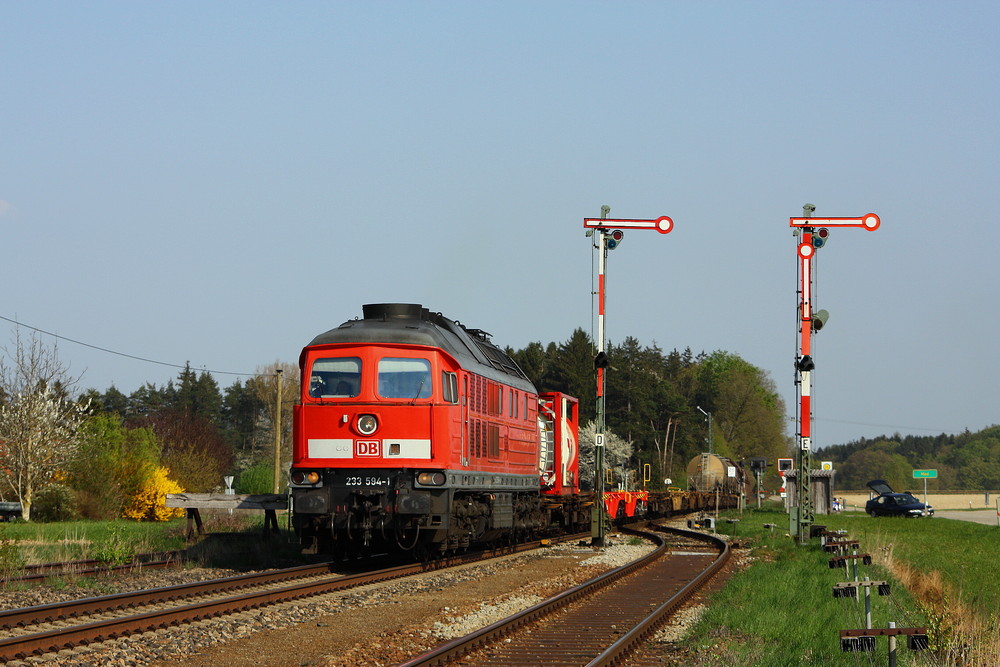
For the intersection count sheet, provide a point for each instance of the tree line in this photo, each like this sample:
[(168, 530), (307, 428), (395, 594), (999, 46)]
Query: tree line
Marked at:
[(967, 461)]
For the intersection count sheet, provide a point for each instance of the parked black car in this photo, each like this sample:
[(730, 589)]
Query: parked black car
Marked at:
[(888, 503)]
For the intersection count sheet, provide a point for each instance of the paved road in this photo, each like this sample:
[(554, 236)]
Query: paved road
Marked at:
[(988, 517)]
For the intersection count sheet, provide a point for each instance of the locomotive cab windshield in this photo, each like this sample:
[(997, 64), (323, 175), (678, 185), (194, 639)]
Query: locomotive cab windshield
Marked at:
[(404, 378), (396, 378), (339, 377)]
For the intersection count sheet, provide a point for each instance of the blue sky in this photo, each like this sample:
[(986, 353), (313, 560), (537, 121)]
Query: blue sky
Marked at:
[(219, 182)]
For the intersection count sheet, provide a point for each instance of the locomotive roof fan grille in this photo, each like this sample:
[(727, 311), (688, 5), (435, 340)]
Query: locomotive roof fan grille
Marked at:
[(393, 311)]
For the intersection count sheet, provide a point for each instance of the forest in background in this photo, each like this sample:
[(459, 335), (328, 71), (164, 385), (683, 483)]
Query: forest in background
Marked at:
[(967, 461)]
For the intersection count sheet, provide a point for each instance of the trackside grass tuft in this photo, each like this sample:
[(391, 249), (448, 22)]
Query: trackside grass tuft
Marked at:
[(236, 541), (105, 540), (781, 610)]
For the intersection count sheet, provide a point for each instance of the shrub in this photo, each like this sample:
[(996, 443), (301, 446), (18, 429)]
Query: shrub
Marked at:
[(56, 502), (113, 464), (149, 503), (193, 467), (193, 449), (259, 478)]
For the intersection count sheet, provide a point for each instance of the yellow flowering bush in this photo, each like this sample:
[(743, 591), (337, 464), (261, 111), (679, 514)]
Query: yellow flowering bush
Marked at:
[(149, 503)]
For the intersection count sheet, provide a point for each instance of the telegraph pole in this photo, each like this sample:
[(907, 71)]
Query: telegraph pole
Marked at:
[(277, 437), (609, 234), (812, 234), (708, 416)]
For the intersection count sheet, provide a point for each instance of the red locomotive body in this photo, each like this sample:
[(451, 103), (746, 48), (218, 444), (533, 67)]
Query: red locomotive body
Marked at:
[(415, 432)]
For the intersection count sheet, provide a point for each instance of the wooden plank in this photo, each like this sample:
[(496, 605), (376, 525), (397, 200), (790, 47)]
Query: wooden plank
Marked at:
[(262, 501)]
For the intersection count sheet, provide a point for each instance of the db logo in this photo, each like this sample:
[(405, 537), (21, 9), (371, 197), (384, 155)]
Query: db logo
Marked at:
[(368, 448)]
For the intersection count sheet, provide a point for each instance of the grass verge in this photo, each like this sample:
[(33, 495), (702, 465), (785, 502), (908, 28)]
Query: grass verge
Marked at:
[(235, 542), (781, 611)]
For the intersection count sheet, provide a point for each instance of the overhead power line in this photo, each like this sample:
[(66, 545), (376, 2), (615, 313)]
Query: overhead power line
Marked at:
[(120, 354), (894, 426)]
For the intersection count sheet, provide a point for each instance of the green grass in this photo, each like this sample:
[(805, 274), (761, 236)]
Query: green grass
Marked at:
[(80, 540), (115, 542), (781, 610), (963, 552)]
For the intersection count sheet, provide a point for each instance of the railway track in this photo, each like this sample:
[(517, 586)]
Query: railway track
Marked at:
[(51, 628), (600, 621), (43, 572)]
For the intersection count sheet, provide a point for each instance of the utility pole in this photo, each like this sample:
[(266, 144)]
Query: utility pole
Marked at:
[(277, 437), (812, 234), (709, 438), (609, 235)]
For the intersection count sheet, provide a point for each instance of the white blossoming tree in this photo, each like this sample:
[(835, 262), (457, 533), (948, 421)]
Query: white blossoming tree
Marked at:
[(617, 452), (39, 424)]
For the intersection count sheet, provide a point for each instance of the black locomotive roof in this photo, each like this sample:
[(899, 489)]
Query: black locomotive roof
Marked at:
[(412, 324)]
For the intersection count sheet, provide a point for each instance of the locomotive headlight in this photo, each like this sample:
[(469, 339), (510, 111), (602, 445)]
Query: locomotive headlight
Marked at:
[(367, 424), (435, 478)]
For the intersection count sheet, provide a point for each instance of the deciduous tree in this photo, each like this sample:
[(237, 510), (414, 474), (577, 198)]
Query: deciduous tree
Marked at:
[(39, 423)]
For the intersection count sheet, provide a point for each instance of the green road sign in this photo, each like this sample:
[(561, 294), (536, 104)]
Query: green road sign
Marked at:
[(924, 474)]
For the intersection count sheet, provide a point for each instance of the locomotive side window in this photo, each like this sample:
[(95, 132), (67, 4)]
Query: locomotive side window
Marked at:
[(404, 378), (449, 387), (335, 378)]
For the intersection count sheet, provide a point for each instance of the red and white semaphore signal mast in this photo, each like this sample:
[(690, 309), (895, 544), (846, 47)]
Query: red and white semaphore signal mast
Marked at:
[(812, 234), (609, 233)]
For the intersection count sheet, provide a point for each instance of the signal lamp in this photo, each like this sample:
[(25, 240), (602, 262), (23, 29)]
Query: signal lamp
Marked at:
[(820, 237), (806, 363), (614, 238), (819, 319)]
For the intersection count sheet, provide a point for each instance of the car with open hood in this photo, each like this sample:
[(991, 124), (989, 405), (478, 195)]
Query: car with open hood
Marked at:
[(889, 503)]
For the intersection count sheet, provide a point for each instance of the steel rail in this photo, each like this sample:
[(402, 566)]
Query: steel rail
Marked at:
[(41, 572), (54, 611), (641, 632), (455, 649), (39, 643)]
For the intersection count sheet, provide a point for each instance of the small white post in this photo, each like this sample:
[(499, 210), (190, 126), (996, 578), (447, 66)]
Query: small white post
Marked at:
[(892, 646)]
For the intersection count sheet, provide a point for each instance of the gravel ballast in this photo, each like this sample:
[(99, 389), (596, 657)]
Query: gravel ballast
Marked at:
[(379, 624)]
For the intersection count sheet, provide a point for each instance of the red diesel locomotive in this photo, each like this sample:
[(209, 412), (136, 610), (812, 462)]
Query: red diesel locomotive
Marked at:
[(414, 432)]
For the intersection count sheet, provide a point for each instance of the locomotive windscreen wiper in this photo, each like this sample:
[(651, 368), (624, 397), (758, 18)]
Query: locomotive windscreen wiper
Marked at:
[(420, 387)]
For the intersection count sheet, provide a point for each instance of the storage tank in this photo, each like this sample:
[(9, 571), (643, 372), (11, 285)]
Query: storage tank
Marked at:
[(709, 472)]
